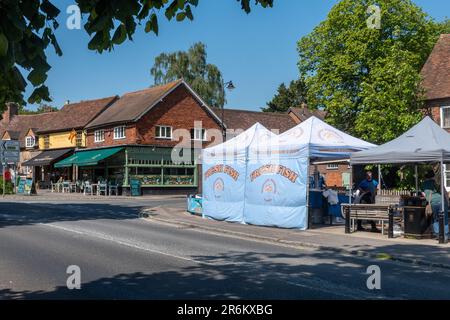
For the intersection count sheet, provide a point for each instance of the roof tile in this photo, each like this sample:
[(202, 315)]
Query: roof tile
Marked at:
[(436, 71)]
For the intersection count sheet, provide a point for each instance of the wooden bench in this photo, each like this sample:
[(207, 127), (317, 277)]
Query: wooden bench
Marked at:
[(375, 212)]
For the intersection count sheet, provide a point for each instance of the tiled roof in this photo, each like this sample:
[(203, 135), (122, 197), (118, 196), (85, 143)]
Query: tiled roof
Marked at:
[(132, 105), (436, 71), (243, 119), (303, 113), (77, 115), (19, 125)]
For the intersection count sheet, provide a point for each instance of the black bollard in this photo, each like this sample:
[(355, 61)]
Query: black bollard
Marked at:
[(347, 219), (441, 227), (391, 223)]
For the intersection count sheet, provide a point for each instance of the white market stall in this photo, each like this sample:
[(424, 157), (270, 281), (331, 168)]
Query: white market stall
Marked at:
[(224, 168), (262, 179)]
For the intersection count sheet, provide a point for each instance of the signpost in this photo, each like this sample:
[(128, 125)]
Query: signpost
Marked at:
[(9, 154), (135, 187)]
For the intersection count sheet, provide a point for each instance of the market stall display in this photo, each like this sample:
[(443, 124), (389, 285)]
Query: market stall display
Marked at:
[(425, 143), (261, 178)]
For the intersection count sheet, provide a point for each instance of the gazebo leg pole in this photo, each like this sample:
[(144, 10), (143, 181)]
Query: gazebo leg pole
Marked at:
[(416, 176), (442, 213)]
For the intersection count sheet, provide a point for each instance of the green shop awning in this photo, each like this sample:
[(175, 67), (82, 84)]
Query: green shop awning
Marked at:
[(87, 158)]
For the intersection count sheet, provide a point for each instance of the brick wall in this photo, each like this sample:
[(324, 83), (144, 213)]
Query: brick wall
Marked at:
[(434, 109), (333, 177), (130, 137), (178, 110)]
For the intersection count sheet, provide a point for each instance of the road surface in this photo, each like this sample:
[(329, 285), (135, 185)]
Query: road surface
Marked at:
[(122, 256)]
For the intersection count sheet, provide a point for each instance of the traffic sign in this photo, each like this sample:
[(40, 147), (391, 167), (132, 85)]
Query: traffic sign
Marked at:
[(9, 151)]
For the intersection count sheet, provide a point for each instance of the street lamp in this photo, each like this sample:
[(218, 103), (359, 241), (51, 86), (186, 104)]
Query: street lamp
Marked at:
[(229, 86)]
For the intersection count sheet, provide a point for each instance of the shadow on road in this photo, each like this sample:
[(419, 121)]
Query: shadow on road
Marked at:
[(254, 275), (17, 214)]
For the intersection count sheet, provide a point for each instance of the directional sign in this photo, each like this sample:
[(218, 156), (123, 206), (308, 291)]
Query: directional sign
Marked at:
[(9, 151), (10, 145)]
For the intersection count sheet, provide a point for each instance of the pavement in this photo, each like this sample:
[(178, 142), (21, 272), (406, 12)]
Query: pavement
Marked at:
[(425, 252), (149, 248)]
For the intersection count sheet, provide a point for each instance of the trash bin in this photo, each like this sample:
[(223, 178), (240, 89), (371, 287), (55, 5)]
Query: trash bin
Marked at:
[(416, 223)]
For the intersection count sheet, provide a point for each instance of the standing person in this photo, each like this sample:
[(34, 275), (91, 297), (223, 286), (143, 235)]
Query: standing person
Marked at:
[(368, 188), (433, 196)]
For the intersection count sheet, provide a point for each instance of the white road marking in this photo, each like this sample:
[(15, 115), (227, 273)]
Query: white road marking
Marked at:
[(122, 242)]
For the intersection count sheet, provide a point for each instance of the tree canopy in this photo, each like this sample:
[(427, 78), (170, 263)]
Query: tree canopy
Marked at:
[(206, 79), (286, 97), (367, 79), (27, 29), (42, 108)]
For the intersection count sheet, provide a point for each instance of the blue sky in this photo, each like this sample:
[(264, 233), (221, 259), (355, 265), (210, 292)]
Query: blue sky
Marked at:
[(256, 51)]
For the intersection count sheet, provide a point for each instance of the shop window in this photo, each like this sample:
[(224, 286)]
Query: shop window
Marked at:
[(163, 132), (150, 171), (99, 136), (119, 132)]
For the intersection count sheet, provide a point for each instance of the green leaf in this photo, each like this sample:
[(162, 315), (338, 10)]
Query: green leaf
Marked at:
[(49, 9), (3, 45), (189, 13), (39, 94), (181, 16), (37, 77), (120, 35), (96, 42)]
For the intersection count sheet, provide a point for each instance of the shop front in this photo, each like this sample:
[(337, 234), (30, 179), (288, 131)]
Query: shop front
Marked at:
[(151, 166), (44, 171)]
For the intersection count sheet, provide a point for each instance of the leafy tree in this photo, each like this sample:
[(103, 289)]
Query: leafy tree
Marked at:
[(206, 79), (27, 29), (367, 79), (444, 26), (43, 108), (287, 97)]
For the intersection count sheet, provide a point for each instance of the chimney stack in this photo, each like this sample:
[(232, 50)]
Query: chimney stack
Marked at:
[(12, 110)]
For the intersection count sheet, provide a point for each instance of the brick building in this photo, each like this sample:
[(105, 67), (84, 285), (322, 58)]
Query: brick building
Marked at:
[(436, 84), (141, 135), (23, 128)]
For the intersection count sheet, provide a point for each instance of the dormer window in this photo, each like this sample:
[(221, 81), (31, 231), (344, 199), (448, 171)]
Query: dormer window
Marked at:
[(30, 142)]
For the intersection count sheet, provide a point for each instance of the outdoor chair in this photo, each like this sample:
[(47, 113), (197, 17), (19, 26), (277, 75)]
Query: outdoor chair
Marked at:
[(87, 188), (54, 186), (113, 188), (102, 188), (66, 187), (73, 187)]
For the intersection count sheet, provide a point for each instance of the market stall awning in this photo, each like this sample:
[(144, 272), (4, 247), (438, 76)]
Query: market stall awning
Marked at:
[(47, 157), (426, 142), (87, 158)]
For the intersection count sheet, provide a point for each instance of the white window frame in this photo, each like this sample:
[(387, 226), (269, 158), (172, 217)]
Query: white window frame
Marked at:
[(203, 133), (99, 135), (165, 136), (332, 166), (27, 141), (442, 116), (116, 131)]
